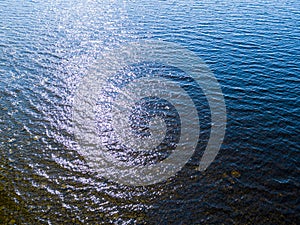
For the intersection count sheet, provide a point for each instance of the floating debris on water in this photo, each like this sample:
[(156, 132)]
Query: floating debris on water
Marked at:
[(35, 138), (11, 140), (235, 173)]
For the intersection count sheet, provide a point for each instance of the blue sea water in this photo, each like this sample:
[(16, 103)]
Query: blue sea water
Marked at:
[(253, 49)]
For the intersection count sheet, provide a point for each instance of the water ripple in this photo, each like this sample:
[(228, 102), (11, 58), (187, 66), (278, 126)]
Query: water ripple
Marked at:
[(46, 49)]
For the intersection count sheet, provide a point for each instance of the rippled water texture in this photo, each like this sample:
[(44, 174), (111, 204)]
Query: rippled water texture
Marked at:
[(46, 49)]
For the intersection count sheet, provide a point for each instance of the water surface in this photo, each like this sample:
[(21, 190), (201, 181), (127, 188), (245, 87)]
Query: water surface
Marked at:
[(252, 48)]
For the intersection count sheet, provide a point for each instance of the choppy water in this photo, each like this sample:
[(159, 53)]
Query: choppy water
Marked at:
[(253, 50)]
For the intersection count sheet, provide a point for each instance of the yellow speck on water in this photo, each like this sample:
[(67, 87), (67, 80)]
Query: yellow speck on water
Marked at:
[(12, 222), (235, 173), (115, 216), (36, 138)]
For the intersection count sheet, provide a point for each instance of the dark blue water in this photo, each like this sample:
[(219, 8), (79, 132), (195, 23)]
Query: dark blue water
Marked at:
[(253, 49)]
